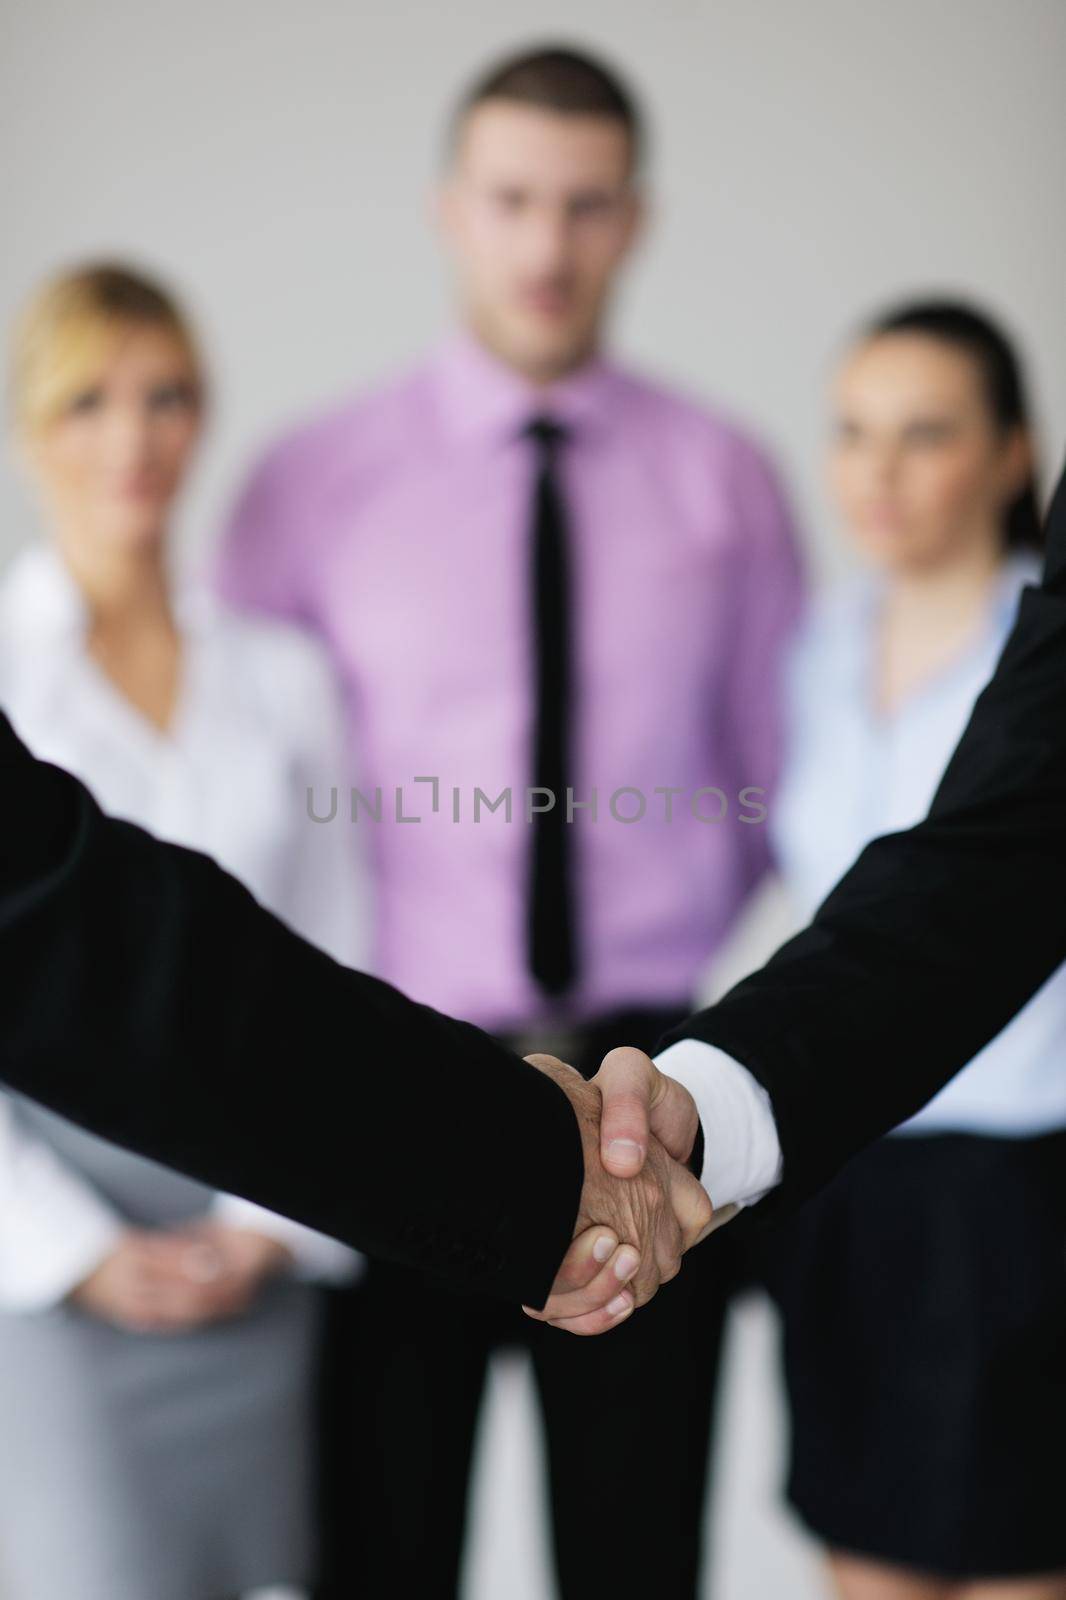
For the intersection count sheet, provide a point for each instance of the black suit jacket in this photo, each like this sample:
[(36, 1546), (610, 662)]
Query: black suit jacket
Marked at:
[(146, 995), (936, 936)]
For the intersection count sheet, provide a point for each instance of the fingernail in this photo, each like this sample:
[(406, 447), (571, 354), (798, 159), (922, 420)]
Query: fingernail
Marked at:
[(602, 1249), (627, 1263), (626, 1150), (620, 1303)]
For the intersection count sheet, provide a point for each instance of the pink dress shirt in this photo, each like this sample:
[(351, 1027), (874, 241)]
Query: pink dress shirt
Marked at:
[(397, 527)]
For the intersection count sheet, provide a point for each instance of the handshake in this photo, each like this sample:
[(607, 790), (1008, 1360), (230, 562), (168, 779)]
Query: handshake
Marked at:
[(641, 1206)]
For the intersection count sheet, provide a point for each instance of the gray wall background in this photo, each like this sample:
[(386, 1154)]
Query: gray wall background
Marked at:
[(272, 159)]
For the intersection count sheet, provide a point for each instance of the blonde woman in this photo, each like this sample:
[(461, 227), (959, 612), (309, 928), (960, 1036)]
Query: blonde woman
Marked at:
[(157, 1341)]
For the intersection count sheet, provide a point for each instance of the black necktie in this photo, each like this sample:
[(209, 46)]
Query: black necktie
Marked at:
[(551, 913)]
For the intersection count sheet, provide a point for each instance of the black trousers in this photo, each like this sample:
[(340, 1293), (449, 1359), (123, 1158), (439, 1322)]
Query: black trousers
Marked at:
[(627, 1423)]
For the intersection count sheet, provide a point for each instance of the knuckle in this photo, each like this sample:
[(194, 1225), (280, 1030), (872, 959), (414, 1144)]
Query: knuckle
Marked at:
[(645, 1286)]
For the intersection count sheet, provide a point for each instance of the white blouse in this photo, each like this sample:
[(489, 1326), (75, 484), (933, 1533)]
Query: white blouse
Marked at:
[(258, 723), (851, 774)]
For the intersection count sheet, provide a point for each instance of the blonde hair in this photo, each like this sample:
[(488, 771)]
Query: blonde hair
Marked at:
[(67, 328)]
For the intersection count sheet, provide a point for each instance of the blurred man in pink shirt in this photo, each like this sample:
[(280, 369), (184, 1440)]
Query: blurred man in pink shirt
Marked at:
[(557, 594)]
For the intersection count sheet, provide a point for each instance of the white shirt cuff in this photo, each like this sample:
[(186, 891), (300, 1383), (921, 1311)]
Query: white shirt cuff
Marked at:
[(55, 1230), (741, 1150), (316, 1257)]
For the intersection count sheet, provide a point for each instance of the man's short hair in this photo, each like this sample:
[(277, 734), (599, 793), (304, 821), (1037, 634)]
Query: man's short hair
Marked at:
[(559, 79)]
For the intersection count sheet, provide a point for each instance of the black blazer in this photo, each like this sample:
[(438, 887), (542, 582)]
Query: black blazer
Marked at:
[(148, 996), (936, 936)]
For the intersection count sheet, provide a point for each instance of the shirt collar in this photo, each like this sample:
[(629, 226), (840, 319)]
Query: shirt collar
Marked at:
[(40, 598), (863, 590), (1020, 567), (861, 595), (480, 394)]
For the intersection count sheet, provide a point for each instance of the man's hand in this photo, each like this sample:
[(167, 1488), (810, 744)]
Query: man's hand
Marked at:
[(632, 1227), (640, 1101)]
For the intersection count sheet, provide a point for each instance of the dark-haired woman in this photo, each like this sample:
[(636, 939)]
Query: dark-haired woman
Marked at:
[(924, 1293)]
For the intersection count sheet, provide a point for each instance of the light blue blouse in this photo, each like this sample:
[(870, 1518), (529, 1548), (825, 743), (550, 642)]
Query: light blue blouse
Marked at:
[(852, 773)]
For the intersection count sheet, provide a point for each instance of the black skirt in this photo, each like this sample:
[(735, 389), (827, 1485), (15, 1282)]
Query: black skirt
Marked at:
[(924, 1304)]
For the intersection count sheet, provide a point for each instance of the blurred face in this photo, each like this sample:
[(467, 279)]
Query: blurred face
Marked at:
[(110, 465), (538, 214), (917, 464)]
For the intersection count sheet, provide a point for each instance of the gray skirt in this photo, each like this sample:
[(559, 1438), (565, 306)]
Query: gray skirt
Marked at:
[(154, 1467)]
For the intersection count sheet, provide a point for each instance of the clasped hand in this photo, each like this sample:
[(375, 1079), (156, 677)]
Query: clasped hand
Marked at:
[(641, 1208), (171, 1280)]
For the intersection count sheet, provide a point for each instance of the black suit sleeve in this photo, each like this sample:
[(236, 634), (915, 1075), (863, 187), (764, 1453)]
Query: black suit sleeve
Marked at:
[(147, 996), (935, 937)]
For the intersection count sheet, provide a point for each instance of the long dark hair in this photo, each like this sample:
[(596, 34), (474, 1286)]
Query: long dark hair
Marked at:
[(966, 328)]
